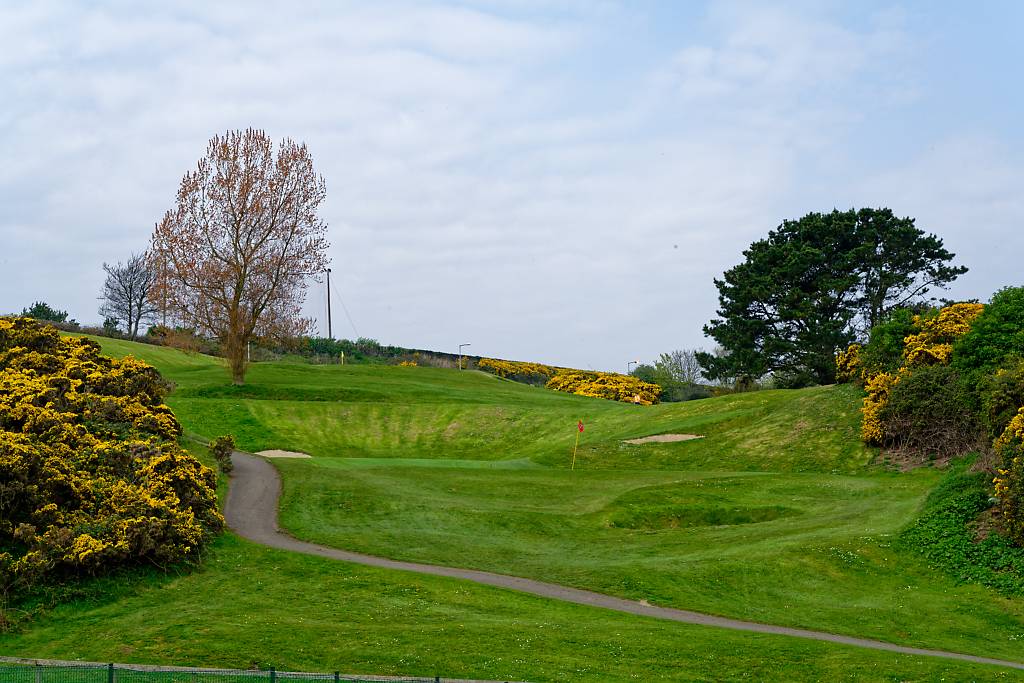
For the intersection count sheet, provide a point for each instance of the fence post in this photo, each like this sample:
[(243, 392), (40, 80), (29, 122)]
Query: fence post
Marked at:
[(273, 675), (110, 673), (337, 676)]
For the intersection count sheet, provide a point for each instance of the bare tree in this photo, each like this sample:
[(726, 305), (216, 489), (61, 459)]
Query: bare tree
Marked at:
[(681, 365), (234, 255), (126, 293)]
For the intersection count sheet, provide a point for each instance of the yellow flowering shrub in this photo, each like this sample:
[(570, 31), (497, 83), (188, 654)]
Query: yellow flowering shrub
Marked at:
[(930, 344), (849, 367), (607, 385), (91, 474), (878, 388), (1009, 479), (531, 373), (933, 344), (407, 364)]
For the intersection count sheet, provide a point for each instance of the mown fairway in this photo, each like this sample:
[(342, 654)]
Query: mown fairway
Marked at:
[(253, 606), (775, 516)]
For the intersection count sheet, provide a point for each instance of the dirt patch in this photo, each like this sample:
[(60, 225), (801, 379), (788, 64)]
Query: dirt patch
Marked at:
[(275, 453), (665, 438), (905, 459)]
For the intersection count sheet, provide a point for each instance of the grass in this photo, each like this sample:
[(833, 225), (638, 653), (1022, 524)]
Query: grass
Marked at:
[(776, 515), (251, 606), (807, 550)]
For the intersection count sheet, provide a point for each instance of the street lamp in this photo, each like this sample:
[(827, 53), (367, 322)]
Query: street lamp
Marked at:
[(632, 362), (460, 354), (330, 334)]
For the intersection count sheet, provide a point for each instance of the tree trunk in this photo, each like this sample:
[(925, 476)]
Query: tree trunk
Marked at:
[(237, 367), (235, 352)]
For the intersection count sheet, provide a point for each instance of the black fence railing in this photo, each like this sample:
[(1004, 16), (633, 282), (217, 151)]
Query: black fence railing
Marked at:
[(16, 670)]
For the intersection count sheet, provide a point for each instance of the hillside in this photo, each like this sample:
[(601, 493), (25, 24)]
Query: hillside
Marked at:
[(776, 515)]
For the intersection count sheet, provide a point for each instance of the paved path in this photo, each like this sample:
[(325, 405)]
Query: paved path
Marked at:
[(251, 511)]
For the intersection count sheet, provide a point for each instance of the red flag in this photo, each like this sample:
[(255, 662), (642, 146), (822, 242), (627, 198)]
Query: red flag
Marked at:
[(580, 425)]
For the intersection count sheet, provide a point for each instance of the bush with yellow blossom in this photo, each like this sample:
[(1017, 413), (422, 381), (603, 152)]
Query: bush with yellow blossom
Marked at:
[(91, 475), (933, 343), (607, 385), (1009, 479), (529, 373), (930, 343), (849, 366)]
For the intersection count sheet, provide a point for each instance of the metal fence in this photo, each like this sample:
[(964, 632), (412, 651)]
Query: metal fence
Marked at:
[(14, 670)]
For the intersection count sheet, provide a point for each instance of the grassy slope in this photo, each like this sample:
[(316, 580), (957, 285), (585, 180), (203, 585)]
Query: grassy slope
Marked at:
[(254, 606), (673, 523)]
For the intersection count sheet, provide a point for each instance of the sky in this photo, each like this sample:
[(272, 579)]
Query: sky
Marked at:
[(549, 181)]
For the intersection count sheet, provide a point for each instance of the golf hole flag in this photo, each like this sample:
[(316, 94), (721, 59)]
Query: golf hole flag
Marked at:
[(579, 428)]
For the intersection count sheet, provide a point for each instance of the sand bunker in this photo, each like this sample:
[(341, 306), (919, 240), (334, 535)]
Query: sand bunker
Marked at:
[(665, 438), (275, 453)]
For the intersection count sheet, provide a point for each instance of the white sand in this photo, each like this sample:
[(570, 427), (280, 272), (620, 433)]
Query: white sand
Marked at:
[(665, 438), (275, 453)]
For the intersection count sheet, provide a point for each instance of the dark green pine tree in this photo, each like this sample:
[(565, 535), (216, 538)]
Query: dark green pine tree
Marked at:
[(812, 287)]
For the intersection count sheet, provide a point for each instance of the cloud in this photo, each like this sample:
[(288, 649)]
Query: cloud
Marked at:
[(488, 180), (966, 189)]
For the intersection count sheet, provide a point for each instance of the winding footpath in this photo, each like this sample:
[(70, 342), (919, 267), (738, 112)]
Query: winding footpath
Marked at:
[(251, 511)]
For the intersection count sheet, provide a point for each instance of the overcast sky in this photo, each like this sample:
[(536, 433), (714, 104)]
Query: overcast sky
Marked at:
[(549, 181)]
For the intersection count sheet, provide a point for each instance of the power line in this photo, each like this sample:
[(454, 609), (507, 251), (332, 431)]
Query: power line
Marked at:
[(345, 308)]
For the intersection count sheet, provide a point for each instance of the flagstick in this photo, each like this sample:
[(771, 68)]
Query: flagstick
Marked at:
[(574, 450)]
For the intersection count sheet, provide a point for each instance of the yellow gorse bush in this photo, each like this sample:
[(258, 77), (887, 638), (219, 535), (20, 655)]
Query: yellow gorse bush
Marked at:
[(931, 344), (849, 365), (524, 372), (1009, 479), (878, 388), (607, 385), (934, 343), (91, 474)]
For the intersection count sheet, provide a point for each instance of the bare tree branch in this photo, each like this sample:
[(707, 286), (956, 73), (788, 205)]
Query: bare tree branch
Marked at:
[(127, 291)]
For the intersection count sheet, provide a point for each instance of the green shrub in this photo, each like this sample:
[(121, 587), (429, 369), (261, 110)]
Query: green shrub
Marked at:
[(646, 372), (1002, 394), (884, 350), (222, 447), (673, 391), (996, 335), (798, 379), (945, 535), (933, 410)]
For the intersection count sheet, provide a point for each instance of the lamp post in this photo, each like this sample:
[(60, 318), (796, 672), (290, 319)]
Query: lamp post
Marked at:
[(632, 362), (460, 354), (329, 332)]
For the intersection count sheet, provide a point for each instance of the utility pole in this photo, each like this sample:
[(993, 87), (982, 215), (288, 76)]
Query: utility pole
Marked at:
[(460, 354), (329, 331)]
